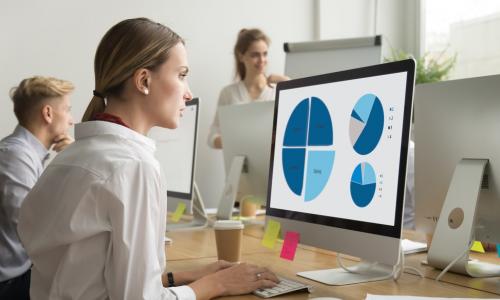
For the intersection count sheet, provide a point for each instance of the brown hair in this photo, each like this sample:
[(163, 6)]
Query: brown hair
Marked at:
[(32, 92), (245, 38), (126, 47)]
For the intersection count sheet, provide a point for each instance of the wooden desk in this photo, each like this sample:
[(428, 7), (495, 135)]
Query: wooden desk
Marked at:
[(201, 244), (191, 250), (491, 284)]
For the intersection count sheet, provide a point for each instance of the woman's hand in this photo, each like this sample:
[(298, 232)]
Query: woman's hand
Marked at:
[(218, 142), (236, 280), (186, 277), (275, 78), (213, 268)]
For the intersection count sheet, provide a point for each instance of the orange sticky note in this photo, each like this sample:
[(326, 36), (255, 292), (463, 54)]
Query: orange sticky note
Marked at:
[(477, 247), (271, 234), (179, 211), (290, 245)]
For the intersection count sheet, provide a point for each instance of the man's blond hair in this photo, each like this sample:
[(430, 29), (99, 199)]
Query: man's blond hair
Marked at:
[(33, 92)]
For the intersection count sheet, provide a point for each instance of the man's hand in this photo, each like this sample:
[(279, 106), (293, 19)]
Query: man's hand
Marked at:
[(61, 142)]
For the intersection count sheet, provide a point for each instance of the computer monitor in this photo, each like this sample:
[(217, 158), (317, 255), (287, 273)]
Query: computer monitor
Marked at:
[(457, 168), (246, 132), (338, 165), (176, 152)]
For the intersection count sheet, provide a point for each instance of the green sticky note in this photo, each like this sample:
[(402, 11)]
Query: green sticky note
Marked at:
[(179, 211), (271, 234), (477, 247)]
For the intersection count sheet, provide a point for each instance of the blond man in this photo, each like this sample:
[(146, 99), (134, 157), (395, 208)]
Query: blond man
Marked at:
[(42, 107)]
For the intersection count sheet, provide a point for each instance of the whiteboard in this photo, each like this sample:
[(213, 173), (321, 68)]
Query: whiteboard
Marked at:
[(304, 59)]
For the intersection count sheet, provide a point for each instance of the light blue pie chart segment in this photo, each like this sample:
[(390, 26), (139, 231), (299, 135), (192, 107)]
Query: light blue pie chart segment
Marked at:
[(319, 167), (367, 124), (296, 129), (363, 184)]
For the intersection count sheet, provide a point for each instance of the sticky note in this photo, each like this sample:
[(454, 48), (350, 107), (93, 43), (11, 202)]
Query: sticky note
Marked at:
[(498, 250), (477, 247), (179, 211), (271, 234), (290, 245)]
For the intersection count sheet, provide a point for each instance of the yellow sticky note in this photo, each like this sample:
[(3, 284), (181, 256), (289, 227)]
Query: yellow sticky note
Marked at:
[(477, 247), (271, 234), (179, 211)]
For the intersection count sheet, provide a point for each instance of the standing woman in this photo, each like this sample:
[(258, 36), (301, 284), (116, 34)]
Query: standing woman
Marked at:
[(250, 55), (94, 223)]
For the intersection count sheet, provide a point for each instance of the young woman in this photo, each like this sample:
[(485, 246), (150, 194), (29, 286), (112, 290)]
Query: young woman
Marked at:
[(94, 223), (250, 54)]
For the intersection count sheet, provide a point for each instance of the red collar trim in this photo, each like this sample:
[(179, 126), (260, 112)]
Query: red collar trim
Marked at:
[(109, 118)]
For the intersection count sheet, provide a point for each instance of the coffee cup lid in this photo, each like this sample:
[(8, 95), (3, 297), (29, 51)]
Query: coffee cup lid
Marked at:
[(228, 224)]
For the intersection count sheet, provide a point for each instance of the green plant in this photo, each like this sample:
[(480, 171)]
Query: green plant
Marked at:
[(429, 69)]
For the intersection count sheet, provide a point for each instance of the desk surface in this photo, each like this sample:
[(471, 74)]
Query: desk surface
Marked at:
[(192, 249)]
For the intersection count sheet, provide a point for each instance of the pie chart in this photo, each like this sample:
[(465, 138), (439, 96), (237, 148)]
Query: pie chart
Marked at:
[(363, 184), (307, 154), (367, 124)]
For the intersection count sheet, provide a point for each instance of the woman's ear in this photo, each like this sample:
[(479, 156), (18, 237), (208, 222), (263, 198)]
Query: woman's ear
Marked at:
[(47, 114), (142, 80), (240, 57)]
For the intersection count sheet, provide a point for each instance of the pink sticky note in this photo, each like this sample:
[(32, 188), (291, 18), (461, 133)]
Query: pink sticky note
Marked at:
[(290, 245)]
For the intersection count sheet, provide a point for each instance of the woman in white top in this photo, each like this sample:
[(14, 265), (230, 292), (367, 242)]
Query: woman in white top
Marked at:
[(250, 54), (94, 223)]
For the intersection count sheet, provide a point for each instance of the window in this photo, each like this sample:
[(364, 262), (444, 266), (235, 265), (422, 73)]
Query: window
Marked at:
[(469, 29)]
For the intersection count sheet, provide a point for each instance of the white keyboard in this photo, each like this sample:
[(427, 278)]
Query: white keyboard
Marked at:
[(285, 286)]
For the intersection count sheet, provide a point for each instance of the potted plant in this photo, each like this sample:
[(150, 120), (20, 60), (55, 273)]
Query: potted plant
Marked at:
[(429, 68)]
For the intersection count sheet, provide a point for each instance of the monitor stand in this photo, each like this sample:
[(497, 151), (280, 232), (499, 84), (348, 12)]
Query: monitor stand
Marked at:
[(362, 272), (230, 191), (200, 218), (454, 232)]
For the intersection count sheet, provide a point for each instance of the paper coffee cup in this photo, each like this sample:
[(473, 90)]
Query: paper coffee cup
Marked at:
[(248, 208), (228, 237)]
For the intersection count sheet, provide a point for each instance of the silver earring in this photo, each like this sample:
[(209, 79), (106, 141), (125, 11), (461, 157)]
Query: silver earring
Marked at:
[(146, 91)]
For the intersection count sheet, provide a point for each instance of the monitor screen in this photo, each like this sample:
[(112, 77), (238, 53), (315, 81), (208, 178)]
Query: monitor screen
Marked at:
[(339, 151), (176, 149)]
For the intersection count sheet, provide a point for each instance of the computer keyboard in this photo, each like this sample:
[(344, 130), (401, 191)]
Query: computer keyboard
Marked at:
[(285, 286)]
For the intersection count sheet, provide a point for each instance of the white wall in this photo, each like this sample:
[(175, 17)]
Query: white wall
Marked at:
[(397, 21), (59, 38)]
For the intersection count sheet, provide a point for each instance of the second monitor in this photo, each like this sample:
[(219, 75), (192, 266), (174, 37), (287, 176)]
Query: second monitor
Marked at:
[(246, 138)]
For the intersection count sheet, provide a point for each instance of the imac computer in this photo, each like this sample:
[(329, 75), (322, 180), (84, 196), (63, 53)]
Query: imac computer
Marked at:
[(338, 165), (246, 132), (457, 170), (176, 152)]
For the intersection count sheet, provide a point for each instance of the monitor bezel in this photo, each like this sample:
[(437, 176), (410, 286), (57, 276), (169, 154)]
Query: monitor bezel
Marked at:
[(182, 195), (407, 66)]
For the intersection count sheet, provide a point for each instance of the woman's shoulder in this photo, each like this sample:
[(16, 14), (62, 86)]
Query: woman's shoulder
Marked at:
[(231, 94), (231, 88)]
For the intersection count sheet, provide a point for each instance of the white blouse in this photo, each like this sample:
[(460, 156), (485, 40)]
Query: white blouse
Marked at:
[(235, 93), (94, 223)]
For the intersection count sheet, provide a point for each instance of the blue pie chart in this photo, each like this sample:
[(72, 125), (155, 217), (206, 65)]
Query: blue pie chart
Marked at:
[(363, 184), (307, 154), (367, 124)]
